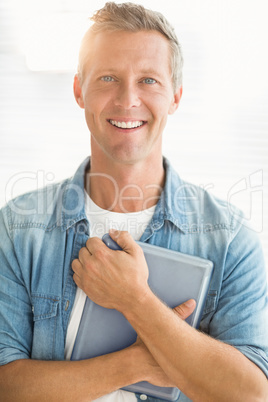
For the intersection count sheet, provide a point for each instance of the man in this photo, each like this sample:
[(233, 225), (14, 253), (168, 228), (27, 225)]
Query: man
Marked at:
[(128, 82)]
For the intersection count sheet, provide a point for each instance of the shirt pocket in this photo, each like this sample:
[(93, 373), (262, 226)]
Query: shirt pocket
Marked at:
[(211, 302), (209, 310), (45, 312)]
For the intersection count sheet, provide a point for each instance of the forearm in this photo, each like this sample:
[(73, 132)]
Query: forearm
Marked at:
[(201, 367), (32, 380)]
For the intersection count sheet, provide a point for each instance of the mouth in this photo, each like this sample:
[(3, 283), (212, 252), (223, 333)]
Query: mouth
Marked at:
[(129, 125)]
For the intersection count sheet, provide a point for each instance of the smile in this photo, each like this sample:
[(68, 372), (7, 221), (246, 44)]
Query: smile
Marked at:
[(127, 124)]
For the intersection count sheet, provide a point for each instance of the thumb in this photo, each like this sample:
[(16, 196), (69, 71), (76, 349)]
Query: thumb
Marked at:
[(185, 309), (124, 240)]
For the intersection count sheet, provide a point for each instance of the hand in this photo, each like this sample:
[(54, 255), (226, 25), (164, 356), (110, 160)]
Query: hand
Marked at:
[(154, 373), (112, 279)]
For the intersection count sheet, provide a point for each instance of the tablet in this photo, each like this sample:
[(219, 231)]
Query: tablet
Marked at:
[(174, 277)]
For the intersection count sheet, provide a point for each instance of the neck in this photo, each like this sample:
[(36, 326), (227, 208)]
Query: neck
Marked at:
[(125, 188)]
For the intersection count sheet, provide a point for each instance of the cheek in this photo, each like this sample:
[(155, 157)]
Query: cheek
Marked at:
[(93, 110), (97, 104), (160, 114), (159, 104)]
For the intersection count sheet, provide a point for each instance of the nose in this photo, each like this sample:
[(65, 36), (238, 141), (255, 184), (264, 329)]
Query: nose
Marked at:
[(127, 96)]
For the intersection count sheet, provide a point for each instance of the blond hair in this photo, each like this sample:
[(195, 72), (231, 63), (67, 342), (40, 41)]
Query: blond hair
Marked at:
[(132, 17)]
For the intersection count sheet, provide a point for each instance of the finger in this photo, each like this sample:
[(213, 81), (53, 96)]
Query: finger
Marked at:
[(78, 281), (93, 244), (124, 240), (77, 267), (184, 310), (83, 255)]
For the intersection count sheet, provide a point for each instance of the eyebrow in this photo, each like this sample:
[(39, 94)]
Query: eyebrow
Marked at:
[(150, 72), (143, 72)]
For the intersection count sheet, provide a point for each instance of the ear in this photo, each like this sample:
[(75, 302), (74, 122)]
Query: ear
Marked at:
[(78, 92), (176, 100)]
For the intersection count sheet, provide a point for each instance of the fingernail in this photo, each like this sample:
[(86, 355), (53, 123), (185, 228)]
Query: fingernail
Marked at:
[(190, 303)]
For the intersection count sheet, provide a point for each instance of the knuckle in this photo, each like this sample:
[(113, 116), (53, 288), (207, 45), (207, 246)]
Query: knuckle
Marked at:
[(138, 250), (74, 265), (81, 252), (124, 234), (100, 253), (90, 241), (181, 311)]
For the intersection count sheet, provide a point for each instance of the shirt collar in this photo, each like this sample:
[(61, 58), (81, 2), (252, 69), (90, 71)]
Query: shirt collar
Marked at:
[(73, 199), (171, 205)]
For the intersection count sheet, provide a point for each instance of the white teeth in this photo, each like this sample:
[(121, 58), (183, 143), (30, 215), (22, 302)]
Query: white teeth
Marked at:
[(129, 124)]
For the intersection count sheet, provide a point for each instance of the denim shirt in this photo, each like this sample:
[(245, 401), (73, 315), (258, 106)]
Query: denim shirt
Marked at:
[(42, 232)]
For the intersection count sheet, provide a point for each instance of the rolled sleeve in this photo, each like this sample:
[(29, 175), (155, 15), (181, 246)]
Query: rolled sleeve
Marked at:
[(15, 304), (257, 356), (241, 317)]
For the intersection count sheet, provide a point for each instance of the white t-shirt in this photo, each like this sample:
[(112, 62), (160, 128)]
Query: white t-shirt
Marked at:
[(101, 221)]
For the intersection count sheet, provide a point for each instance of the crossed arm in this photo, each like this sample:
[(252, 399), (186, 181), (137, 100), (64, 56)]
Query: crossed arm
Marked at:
[(203, 368), (32, 380)]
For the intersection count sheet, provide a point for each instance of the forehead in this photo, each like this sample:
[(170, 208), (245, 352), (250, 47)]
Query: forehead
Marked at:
[(142, 48)]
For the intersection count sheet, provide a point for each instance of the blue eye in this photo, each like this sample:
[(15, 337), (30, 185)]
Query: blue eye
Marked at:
[(107, 78), (149, 81)]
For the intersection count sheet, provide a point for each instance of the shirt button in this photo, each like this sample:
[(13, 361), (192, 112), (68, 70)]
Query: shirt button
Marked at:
[(143, 397)]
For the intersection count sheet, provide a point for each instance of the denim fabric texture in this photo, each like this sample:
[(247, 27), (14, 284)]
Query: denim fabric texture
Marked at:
[(42, 232)]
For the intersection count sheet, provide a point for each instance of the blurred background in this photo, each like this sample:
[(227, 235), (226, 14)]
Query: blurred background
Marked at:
[(218, 138)]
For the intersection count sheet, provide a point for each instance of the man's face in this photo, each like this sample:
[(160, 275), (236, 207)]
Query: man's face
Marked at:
[(127, 94)]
